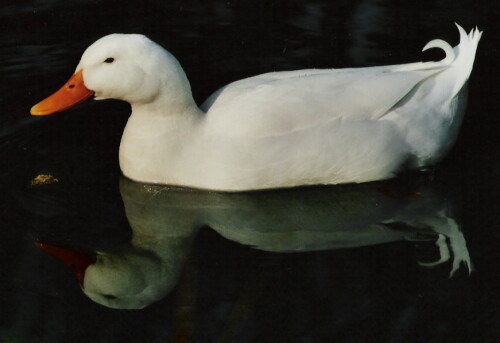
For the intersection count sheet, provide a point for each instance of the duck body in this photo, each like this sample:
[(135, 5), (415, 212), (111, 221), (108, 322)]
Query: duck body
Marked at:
[(280, 129)]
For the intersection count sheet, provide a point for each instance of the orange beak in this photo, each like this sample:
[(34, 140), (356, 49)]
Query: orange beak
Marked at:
[(76, 261), (73, 92)]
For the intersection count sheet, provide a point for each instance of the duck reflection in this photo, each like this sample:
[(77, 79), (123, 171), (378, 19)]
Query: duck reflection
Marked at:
[(165, 220)]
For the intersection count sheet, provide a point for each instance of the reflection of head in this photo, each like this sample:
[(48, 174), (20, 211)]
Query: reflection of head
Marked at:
[(130, 280), (136, 277)]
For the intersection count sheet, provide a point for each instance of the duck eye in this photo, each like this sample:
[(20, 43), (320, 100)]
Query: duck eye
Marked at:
[(109, 60), (109, 297)]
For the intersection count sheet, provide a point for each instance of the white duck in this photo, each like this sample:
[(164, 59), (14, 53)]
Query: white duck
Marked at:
[(274, 130)]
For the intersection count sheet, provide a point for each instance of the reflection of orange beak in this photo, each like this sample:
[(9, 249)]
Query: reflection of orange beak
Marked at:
[(76, 261), (73, 92)]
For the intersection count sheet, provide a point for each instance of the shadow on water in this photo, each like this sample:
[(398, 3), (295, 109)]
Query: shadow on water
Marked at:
[(350, 263)]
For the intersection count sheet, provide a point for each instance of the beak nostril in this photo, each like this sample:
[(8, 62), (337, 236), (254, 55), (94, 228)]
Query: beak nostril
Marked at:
[(73, 92)]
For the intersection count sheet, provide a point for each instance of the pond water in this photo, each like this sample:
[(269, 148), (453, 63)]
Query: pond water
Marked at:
[(414, 259)]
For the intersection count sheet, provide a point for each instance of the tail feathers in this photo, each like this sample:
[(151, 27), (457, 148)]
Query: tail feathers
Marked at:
[(457, 65), (461, 56), (465, 53), (441, 44)]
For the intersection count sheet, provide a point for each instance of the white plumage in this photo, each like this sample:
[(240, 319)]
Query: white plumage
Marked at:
[(280, 129)]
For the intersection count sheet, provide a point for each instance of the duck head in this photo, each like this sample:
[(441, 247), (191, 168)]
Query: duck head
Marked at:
[(127, 67)]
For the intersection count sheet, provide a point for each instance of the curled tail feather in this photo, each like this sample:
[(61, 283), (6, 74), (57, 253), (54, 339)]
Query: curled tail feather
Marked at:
[(448, 50)]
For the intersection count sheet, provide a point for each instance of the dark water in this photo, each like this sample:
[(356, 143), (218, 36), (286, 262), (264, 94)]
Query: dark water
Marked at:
[(354, 263)]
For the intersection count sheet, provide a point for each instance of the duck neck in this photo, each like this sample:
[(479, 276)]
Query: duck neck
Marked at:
[(156, 137), (181, 113), (166, 120), (172, 99)]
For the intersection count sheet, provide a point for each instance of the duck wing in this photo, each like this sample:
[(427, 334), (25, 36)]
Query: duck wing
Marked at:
[(280, 103)]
